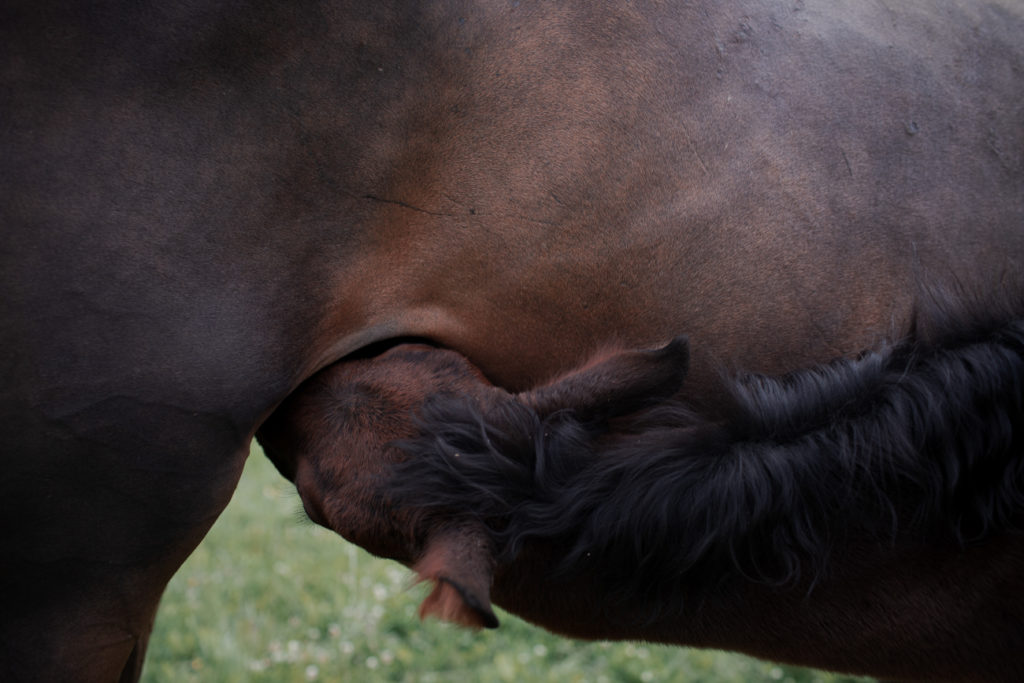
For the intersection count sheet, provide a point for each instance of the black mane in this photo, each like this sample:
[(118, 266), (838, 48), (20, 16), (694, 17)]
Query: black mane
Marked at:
[(920, 440)]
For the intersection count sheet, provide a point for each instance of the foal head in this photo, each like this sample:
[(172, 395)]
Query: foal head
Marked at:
[(337, 438)]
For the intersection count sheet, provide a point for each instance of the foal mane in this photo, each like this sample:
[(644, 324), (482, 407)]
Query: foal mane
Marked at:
[(920, 440)]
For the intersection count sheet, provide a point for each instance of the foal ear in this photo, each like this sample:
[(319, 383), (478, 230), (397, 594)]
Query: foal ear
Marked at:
[(617, 384), (460, 562)]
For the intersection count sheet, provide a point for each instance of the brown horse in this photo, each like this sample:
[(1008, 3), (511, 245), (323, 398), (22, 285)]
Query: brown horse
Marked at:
[(866, 516), (335, 439), (204, 203)]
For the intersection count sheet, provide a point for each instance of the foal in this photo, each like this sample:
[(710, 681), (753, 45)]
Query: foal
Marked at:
[(863, 516), (338, 440)]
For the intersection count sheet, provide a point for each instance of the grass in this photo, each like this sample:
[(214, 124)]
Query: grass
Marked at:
[(270, 597)]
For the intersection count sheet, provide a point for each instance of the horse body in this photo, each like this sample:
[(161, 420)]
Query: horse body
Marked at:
[(203, 204)]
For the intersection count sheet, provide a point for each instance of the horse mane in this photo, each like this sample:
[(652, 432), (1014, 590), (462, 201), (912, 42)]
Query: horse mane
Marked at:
[(919, 440)]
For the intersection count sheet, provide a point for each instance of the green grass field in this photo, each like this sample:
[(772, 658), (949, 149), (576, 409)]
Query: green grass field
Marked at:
[(268, 596)]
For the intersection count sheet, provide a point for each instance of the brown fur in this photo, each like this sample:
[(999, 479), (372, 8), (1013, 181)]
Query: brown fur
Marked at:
[(892, 606), (335, 438), (204, 203), (460, 564)]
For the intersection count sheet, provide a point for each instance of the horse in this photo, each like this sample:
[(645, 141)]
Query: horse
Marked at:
[(206, 203), (853, 516), (334, 439)]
